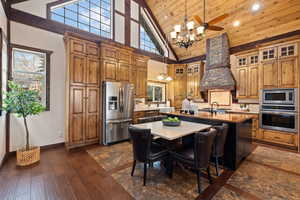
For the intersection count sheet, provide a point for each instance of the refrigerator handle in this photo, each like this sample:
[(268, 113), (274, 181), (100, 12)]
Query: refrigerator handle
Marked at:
[(122, 90), (119, 100)]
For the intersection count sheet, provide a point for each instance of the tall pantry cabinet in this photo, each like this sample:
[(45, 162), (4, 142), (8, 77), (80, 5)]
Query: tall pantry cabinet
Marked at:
[(83, 81)]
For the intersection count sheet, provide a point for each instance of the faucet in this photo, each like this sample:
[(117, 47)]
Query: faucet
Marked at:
[(212, 106)]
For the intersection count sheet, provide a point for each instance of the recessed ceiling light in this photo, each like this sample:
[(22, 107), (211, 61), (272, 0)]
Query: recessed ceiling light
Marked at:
[(236, 23), (255, 7)]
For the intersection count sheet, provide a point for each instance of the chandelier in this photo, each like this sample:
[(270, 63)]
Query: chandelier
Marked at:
[(186, 35)]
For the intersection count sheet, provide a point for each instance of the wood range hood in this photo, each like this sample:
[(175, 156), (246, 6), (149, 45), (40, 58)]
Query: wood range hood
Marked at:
[(217, 73)]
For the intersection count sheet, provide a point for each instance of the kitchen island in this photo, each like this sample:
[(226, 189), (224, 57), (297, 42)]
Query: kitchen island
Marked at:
[(238, 143)]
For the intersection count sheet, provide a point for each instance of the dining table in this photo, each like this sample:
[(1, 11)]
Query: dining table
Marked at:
[(173, 132)]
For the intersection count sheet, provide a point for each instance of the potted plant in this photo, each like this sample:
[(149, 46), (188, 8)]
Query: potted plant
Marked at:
[(24, 102)]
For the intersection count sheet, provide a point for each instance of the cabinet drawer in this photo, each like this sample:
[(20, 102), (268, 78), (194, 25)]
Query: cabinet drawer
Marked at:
[(151, 113), (125, 57), (108, 52), (77, 46), (279, 137)]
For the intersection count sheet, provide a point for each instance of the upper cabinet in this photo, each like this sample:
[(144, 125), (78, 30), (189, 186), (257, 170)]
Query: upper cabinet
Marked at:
[(194, 74), (177, 88), (247, 76), (116, 63), (139, 75), (278, 67)]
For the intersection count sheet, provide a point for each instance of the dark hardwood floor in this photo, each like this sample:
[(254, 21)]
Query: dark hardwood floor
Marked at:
[(59, 175)]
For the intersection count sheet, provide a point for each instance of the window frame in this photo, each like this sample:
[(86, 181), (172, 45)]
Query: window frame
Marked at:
[(164, 88), (59, 2), (48, 64), (143, 24)]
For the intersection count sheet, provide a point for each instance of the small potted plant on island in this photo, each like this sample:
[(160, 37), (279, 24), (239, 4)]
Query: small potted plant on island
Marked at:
[(24, 102)]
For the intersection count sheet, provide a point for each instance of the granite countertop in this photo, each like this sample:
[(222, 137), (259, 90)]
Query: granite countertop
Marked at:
[(225, 117), (243, 112)]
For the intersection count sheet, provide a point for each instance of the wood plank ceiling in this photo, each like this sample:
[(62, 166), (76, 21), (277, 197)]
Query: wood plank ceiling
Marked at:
[(274, 18)]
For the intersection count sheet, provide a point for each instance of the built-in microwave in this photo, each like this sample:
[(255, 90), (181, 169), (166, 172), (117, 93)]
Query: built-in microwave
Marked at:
[(279, 96)]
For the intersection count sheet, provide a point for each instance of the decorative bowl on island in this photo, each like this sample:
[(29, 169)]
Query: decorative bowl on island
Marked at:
[(171, 121)]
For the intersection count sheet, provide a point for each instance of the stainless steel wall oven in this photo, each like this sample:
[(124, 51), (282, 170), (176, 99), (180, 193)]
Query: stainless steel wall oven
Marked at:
[(279, 110)]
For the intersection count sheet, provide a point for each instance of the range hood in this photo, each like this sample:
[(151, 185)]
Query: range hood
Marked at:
[(217, 73)]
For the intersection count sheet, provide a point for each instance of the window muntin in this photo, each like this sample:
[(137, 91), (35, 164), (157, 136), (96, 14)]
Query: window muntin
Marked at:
[(29, 69), (146, 42), (93, 16)]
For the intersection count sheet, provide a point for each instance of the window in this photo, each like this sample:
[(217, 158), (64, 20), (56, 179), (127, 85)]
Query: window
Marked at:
[(147, 39), (30, 69), (156, 92), (94, 16)]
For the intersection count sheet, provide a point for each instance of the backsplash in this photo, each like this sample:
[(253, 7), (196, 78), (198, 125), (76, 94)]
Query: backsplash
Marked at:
[(234, 107)]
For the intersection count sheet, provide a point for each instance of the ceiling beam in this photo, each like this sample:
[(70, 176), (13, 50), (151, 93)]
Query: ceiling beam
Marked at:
[(145, 5)]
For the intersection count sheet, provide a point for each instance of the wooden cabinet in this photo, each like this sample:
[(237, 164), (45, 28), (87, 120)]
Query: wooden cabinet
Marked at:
[(141, 114), (93, 71), (77, 115), (279, 66), (77, 69), (123, 72), (269, 74), (141, 81), (116, 63), (287, 72), (84, 115), (279, 137), (177, 89), (139, 75), (255, 127), (194, 74), (92, 114), (109, 69), (83, 97), (247, 75)]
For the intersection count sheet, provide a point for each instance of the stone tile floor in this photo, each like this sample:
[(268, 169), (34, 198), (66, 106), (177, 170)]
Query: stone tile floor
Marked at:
[(266, 174)]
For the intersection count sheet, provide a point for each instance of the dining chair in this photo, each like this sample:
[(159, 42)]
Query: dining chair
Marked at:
[(218, 147), (144, 150), (198, 156)]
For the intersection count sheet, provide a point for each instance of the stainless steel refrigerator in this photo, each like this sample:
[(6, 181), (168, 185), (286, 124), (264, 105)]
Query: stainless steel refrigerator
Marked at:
[(118, 111)]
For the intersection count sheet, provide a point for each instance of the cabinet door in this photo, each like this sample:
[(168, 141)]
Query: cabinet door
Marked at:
[(269, 76), (287, 72), (93, 71), (77, 69), (253, 86), (190, 82), (133, 78), (123, 72), (77, 115), (141, 82), (109, 70), (242, 82), (268, 54), (92, 114)]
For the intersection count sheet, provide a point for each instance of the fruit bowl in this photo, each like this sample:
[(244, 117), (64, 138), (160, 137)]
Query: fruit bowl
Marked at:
[(171, 121)]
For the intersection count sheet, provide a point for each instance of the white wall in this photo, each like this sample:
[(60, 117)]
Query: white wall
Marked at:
[(3, 26), (48, 127), (155, 68)]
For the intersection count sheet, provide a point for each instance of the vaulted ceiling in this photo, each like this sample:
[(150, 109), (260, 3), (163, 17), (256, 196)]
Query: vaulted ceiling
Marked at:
[(274, 18)]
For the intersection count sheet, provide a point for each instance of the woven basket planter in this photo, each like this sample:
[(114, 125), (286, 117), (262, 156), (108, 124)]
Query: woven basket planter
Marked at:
[(25, 158)]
